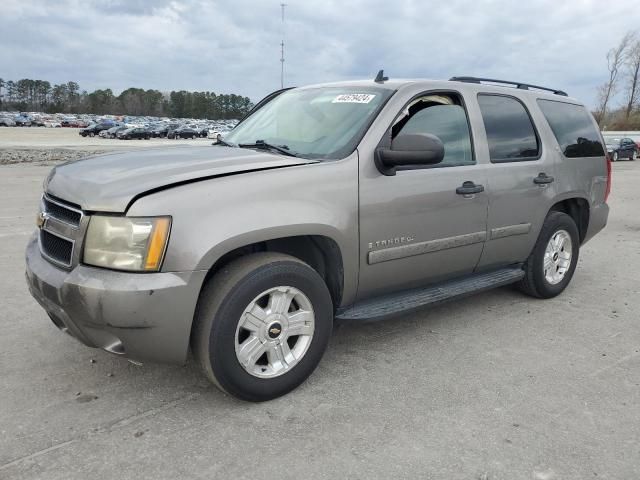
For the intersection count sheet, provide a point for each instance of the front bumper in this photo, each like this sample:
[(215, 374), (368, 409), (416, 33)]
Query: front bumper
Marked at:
[(144, 316)]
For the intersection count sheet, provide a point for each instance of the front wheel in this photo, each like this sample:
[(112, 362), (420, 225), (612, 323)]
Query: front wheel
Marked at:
[(615, 157), (634, 155), (262, 325), (551, 265)]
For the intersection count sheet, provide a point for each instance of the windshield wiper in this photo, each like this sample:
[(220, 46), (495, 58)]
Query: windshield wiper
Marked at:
[(261, 144)]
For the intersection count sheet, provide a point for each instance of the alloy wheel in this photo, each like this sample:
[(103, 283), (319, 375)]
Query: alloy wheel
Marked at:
[(557, 257), (274, 332)]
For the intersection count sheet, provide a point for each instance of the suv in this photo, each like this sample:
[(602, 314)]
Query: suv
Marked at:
[(356, 201)]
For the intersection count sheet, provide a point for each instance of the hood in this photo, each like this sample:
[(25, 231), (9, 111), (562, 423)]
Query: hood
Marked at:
[(109, 183)]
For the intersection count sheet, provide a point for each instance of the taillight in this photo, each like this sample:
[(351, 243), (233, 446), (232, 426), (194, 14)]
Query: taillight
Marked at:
[(608, 190)]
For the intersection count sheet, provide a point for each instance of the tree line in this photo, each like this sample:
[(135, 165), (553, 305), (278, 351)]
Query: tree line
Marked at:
[(42, 96), (623, 80)]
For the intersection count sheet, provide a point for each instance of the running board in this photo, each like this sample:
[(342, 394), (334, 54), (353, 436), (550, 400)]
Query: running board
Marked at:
[(409, 300)]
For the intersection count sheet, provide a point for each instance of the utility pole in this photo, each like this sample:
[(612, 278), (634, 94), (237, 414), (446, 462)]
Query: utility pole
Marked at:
[(282, 5)]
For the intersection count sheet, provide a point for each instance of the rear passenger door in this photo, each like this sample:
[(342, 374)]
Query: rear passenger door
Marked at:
[(521, 176)]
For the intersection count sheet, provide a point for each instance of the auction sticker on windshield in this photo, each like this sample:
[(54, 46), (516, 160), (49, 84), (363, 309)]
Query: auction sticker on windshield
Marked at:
[(354, 98)]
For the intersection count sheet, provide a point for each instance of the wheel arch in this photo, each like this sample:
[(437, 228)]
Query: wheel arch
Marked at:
[(321, 252), (578, 209)]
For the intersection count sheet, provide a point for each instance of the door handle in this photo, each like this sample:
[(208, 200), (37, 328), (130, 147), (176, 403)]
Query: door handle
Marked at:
[(543, 179), (469, 188)]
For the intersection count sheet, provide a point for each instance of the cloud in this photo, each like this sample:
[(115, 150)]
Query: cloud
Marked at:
[(233, 46)]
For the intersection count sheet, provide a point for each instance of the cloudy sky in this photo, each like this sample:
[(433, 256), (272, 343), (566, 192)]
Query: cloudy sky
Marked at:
[(232, 46)]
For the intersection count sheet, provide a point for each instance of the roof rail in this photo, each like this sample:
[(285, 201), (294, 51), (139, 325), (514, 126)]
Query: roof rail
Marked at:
[(520, 85)]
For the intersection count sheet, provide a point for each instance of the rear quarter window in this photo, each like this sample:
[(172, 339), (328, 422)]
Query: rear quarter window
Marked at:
[(574, 129)]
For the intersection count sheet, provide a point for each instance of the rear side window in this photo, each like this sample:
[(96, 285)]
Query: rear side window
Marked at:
[(573, 128), (510, 132)]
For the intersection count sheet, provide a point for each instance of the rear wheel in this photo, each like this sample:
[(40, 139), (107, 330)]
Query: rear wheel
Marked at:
[(551, 265), (634, 155), (615, 157), (262, 325)]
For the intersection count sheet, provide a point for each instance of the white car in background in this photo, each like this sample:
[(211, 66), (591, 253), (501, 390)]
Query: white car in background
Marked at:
[(213, 134), (7, 122)]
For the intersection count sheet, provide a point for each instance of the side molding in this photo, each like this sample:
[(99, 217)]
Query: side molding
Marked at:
[(401, 251), (501, 232)]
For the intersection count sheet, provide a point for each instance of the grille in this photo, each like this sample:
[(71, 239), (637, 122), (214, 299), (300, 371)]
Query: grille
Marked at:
[(56, 248), (61, 212)]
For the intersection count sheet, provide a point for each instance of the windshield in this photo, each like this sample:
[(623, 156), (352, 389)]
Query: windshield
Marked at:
[(325, 122)]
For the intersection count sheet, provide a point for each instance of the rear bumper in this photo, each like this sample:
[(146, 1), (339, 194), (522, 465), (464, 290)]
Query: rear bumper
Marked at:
[(144, 316), (598, 217)]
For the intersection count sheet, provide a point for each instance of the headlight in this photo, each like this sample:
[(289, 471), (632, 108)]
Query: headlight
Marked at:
[(127, 243)]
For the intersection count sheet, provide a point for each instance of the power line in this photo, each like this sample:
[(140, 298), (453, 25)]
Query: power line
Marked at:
[(282, 5)]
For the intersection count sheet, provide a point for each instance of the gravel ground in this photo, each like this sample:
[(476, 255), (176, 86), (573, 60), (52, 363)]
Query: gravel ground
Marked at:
[(43, 156), (47, 146), (495, 386)]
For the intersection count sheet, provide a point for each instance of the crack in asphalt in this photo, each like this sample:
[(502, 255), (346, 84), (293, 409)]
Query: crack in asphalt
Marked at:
[(108, 428)]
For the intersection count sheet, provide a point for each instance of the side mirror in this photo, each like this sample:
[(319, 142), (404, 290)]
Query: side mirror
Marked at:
[(409, 150)]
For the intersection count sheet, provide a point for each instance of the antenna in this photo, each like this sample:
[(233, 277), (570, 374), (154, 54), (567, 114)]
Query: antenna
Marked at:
[(380, 78), (282, 5)]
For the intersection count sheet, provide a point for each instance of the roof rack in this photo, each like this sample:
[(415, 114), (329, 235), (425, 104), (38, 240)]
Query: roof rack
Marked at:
[(520, 85)]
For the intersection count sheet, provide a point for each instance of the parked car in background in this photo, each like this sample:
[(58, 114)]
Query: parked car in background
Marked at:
[(95, 129), (159, 131), (69, 122), (138, 133), (22, 121), (37, 122), (112, 132), (7, 122), (184, 132), (621, 148), (52, 124)]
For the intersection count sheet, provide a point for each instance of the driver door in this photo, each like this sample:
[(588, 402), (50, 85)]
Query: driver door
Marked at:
[(415, 228)]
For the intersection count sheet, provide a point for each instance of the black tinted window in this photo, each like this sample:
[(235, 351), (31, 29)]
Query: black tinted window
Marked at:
[(510, 133), (449, 124), (573, 128)]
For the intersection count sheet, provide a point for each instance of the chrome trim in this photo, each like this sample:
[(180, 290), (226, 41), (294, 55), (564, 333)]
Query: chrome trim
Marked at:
[(501, 232), (51, 259), (402, 251), (63, 205)]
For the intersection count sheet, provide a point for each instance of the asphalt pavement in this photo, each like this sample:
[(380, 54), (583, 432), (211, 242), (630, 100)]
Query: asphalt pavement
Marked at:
[(496, 386)]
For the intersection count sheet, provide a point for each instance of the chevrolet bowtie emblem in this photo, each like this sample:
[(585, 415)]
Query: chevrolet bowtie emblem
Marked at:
[(274, 331), (41, 219)]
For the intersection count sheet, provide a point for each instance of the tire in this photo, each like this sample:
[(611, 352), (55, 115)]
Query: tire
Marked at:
[(634, 156), (536, 281), (216, 336), (615, 157)]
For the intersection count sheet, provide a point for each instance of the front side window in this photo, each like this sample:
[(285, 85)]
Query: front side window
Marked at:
[(574, 129), (322, 123), (441, 115), (510, 132)]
